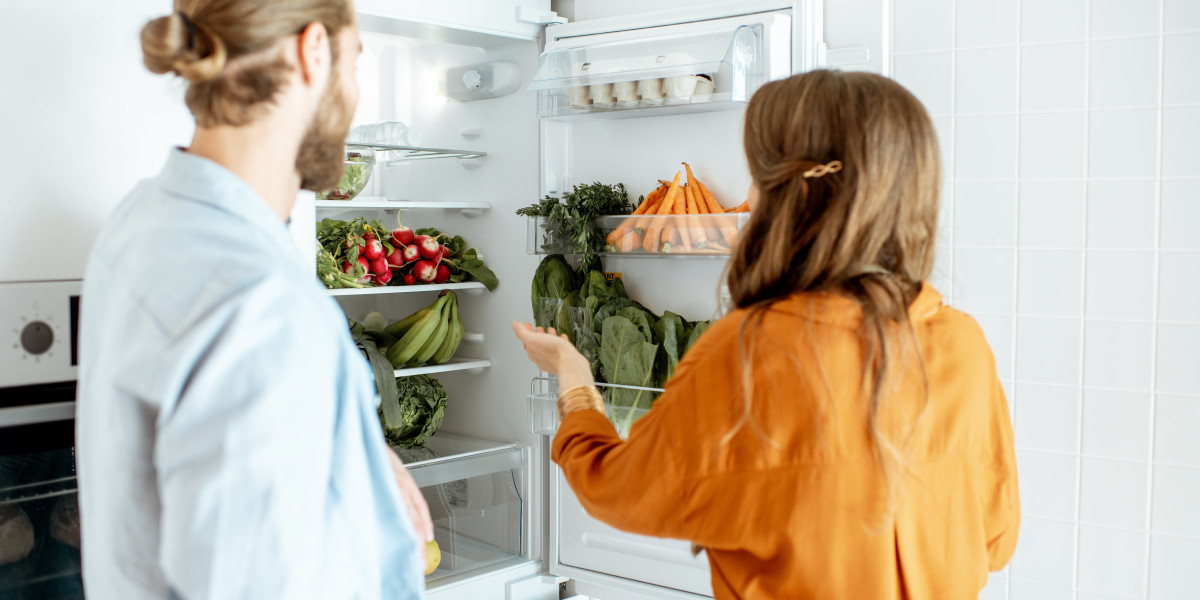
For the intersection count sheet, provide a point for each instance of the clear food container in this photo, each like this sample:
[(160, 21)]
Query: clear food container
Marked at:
[(360, 162), (623, 404)]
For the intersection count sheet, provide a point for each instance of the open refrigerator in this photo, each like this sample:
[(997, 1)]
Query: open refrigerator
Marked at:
[(507, 524), (607, 100)]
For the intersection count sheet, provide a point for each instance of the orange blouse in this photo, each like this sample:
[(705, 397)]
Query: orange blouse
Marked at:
[(794, 506)]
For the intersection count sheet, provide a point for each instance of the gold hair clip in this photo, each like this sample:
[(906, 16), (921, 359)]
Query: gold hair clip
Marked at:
[(833, 167)]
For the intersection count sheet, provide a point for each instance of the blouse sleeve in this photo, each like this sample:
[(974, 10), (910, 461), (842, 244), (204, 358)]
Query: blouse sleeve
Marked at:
[(1001, 502), (641, 485)]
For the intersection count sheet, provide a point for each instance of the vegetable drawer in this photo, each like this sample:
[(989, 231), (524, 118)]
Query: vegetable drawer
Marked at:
[(477, 492)]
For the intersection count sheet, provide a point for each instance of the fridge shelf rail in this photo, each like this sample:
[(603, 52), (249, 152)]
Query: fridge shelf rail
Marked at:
[(714, 230), (623, 404), (455, 364), (382, 203), (476, 491), (406, 289), (391, 154)]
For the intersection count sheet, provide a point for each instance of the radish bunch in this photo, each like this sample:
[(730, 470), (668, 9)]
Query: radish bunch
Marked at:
[(374, 256)]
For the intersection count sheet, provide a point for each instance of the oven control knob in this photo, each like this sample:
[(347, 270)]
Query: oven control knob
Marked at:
[(37, 337)]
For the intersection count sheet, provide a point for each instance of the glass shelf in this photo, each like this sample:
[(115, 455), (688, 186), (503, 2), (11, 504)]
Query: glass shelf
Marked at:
[(37, 475), (455, 364), (710, 236), (382, 203), (634, 401), (406, 289), (674, 69), (393, 154)]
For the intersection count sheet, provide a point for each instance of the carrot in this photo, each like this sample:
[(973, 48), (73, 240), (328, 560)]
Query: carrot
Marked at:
[(729, 232), (654, 232), (648, 204), (696, 223)]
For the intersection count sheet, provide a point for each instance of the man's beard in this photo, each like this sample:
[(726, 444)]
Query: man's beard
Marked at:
[(322, 160)]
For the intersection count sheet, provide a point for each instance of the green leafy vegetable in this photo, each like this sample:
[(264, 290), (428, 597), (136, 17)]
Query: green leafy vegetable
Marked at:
[(422, 406), (669, 331), (331, 274), (570, 220), (552, 281), (354, 178), (627, 358)]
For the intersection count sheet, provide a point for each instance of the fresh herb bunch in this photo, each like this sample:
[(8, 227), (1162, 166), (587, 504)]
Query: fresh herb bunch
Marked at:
[(572, 217)]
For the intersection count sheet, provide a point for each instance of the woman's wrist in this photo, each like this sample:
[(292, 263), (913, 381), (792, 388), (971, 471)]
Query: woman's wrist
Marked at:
[(583, 397), (574, 371)]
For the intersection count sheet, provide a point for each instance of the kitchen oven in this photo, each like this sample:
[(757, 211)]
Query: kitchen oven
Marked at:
[(39, 513)]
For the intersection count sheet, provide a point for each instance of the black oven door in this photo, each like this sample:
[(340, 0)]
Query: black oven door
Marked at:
[(39, 512)]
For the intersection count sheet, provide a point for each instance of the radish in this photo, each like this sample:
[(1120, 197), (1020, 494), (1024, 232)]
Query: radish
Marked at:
[(373, 249), (384, 278), (409, 279), (379, 266), (425, 271), (431, 249), (443, 273), (349, 269), (411, 253), (402, 236), (395, 258)]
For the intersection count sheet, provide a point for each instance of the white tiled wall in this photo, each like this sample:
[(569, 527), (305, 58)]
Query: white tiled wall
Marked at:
[(1071, 140)]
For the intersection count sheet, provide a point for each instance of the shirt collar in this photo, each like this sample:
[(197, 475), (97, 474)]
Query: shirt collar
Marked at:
[(202, 180)]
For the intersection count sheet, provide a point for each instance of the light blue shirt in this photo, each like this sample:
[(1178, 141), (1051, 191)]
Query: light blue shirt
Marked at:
[(227, 441)]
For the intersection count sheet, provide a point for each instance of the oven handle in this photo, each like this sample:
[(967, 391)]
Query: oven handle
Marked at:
[(38, 413)]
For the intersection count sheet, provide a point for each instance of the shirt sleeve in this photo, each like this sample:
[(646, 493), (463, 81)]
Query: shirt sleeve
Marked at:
[(1001, 501), (244, 456)]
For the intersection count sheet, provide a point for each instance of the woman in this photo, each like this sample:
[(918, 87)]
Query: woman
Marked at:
[(841, 433)]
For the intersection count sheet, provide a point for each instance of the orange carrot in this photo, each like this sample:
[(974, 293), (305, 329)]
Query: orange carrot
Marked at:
[(654, 232), (729, 232), (695, 223), (648, 204)]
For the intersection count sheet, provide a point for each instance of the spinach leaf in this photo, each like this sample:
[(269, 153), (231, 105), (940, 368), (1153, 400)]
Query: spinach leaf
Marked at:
[(669, 330)]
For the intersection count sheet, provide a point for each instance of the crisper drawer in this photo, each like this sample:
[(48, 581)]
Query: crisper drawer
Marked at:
[(476, 491), (39, 526)]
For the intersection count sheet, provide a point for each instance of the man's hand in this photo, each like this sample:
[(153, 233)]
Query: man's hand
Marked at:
[(418, 510)]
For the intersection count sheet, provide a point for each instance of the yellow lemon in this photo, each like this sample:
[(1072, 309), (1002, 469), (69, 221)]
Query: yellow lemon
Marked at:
[(433, 556)]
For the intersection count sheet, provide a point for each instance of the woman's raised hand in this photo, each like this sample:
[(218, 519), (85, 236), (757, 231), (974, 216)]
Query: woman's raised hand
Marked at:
[(553, 352)]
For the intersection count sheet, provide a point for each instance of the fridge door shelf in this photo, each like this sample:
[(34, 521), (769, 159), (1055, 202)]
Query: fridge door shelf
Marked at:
[(455, 364), (476, 492), (691, 67), (709, 235), (406, 289), (371, 203), (635, 403)]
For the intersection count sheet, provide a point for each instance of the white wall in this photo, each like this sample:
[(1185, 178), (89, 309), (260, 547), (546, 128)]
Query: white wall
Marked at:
[(1071, 134)]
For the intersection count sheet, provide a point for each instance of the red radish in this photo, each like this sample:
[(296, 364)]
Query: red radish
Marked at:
[(425, 271), (411, 253), (349, 270), (373, 249), (379, 266), (431, 249), (384, 278), (402, 236), (409, 279), (395, 258), (443, 273)]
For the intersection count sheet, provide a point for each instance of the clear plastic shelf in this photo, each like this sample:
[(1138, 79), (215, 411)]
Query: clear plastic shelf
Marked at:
[(709, 236), (624, 405), (390, 154), (681, 68)]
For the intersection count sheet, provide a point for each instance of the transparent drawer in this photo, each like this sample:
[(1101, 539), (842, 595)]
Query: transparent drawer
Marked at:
[(624, 405), (690, 67), (710, 235), (476, 492)]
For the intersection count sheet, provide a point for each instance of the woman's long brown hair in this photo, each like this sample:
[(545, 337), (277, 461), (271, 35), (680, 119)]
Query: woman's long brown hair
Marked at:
[(865, 232)]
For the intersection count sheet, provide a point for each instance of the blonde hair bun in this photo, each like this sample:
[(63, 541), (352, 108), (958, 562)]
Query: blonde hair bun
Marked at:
[(166, 48)]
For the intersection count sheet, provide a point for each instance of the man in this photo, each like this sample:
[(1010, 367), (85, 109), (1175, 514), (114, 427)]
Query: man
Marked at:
[(228, 445)]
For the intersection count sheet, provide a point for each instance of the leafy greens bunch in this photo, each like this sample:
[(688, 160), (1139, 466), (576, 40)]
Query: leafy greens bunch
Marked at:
[(569, 220), (410, 408), (625, 342)]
